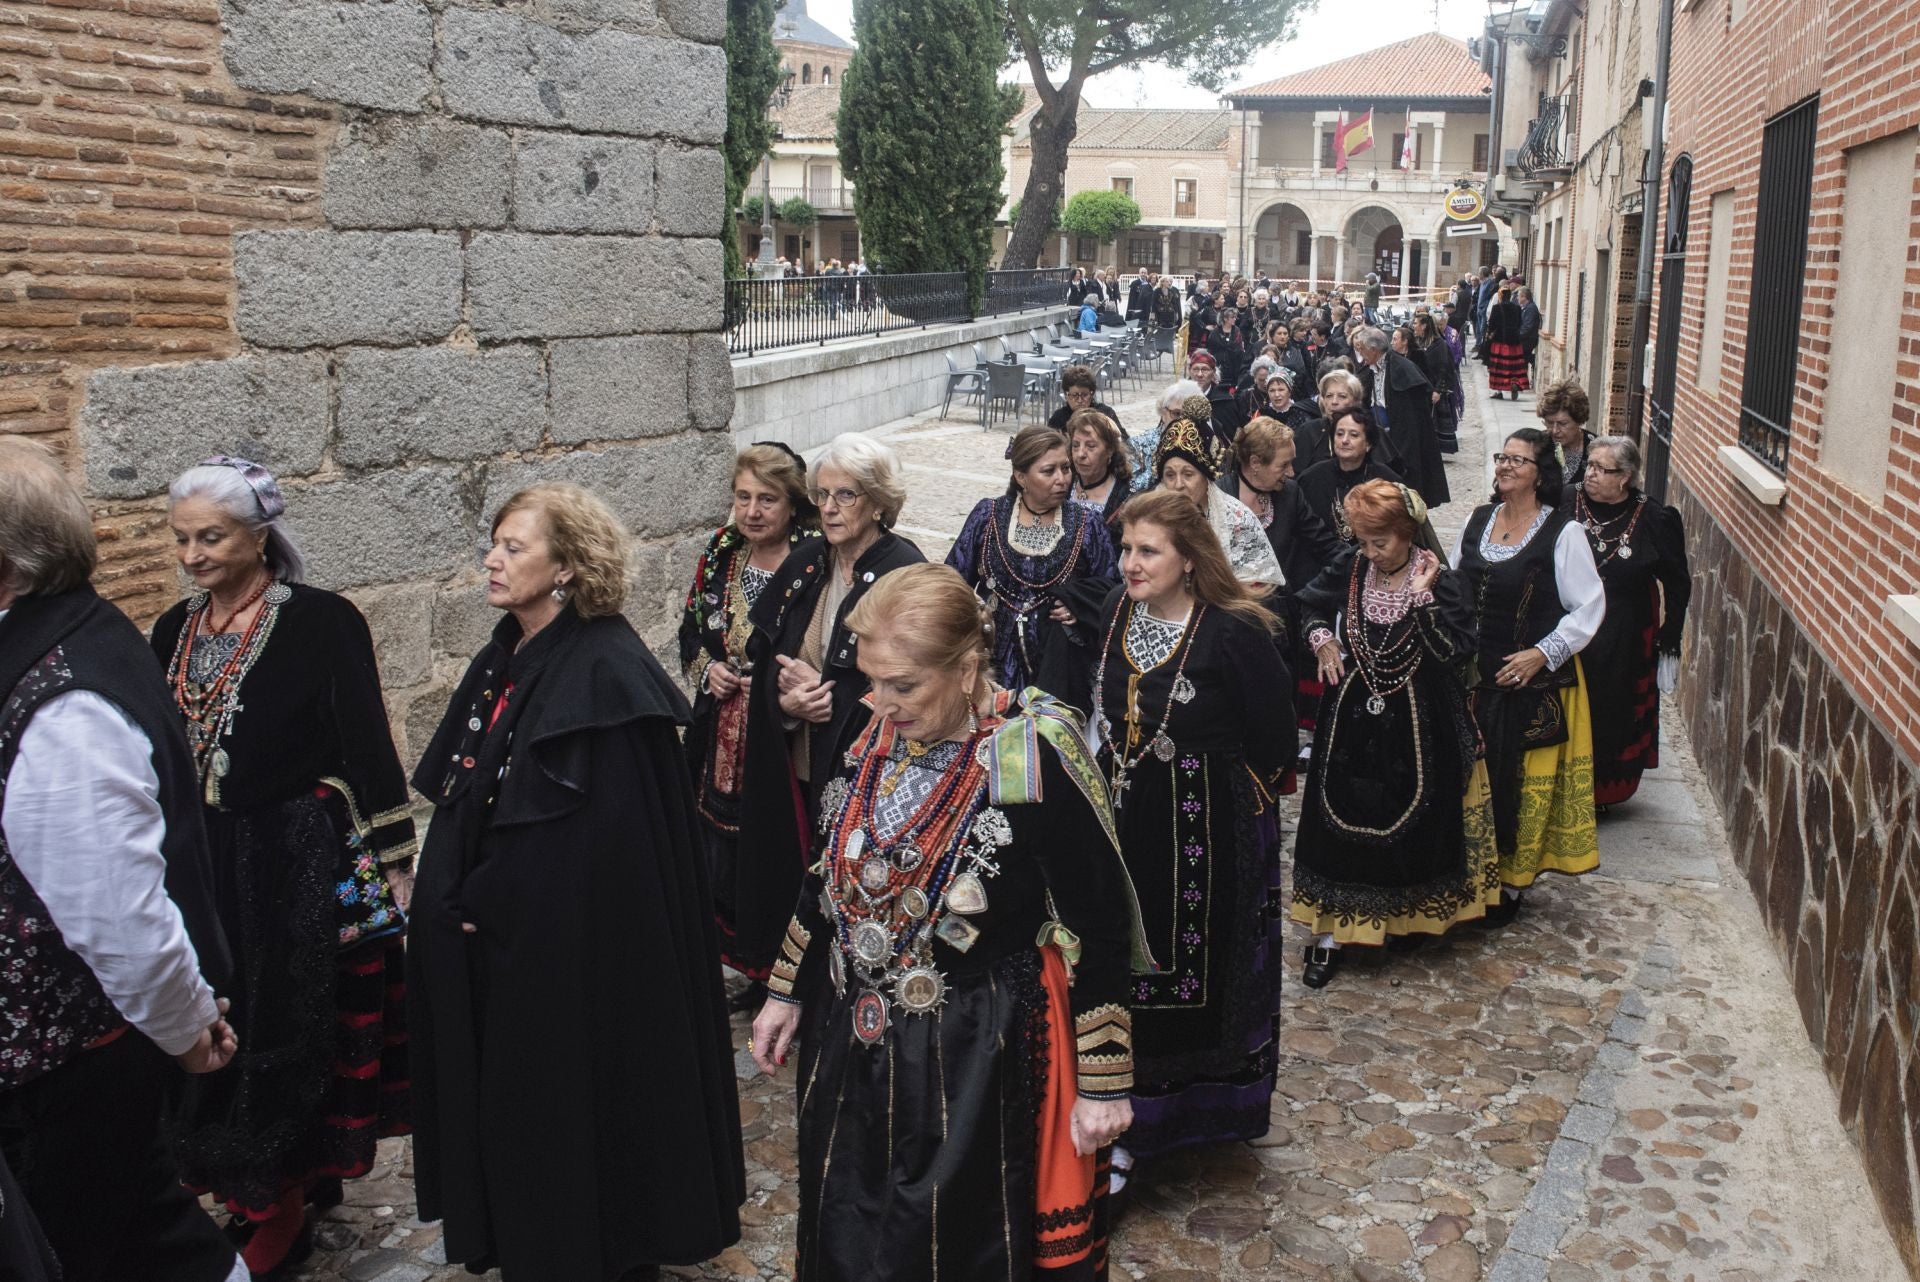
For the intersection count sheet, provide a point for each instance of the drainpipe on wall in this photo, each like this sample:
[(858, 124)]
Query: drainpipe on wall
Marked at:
[(1649, 227)]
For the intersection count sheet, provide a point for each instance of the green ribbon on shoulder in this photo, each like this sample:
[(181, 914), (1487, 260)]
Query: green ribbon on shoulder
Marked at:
[(1013, 778)]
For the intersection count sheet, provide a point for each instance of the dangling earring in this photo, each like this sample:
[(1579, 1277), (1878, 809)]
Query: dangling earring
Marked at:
[(973, 718), (560, 593)]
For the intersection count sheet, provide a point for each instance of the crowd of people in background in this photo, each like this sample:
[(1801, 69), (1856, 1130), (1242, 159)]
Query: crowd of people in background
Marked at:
[(994, 846)]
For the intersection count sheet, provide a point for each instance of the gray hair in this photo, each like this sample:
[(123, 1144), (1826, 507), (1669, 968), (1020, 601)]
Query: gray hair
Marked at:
[(1265, 364), (1522, 289), (873, 466), (1261, 296), (1625, 452), (1374, 340), (1177, 394), (46, 533), (1347, 379), (227, 490)]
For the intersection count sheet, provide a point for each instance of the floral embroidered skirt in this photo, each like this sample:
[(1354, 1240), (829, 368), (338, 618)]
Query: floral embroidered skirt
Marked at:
[(1202, 846)]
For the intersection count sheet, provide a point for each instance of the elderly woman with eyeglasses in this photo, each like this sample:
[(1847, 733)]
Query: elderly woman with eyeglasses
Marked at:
[(807, 685), (1539, 602), (1079, 391), (1641, 550)]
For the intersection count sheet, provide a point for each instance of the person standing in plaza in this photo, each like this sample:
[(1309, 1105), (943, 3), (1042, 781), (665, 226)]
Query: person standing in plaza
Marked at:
[(1102, 470), (1539, 600), (1196, 728), (1402, 400), (1504, 344), (1356, 446), (1140, 297), (1396, 829), (1042, 566), (1079, 391), (771, 513), (806, 698), (1436, 357), (1530, 323), (110, 944), (309, 823), (574, 1082), (1641, 550), (955, 971)]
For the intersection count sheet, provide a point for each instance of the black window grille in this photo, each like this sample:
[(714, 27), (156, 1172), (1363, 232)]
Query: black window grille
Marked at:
[(1779, 275), (1666, 343)]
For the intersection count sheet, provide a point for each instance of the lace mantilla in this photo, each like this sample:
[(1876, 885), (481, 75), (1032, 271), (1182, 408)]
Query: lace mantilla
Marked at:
[(1150, 641)]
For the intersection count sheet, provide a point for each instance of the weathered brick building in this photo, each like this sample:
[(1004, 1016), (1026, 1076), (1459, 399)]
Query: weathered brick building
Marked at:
[(411, 257), (1786, 380)]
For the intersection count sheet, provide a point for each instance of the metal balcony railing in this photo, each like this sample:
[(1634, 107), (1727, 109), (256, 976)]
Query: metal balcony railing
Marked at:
[(1546, 144), (792, 311)]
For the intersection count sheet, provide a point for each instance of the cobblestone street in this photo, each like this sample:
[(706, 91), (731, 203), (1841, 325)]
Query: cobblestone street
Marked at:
[(1616, 1086)]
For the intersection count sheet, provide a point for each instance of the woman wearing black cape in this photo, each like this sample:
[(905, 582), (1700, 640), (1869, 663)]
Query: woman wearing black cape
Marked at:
[(576, 1116)]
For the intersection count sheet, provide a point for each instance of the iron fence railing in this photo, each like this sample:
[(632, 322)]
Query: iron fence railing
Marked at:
[(1546, 144), (793, 311)]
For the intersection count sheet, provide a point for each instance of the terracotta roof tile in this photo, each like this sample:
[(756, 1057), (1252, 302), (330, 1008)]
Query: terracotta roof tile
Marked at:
[(1144, 130), (1426, 66)]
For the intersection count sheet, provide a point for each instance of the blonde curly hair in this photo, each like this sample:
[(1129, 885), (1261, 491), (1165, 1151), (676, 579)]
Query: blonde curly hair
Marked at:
[(583, 535)]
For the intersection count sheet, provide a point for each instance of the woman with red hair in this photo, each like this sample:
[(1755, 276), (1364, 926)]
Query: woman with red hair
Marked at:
[(1396, 831)]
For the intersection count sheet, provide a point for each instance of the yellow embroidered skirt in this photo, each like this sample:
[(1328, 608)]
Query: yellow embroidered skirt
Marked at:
[(1556, 831)]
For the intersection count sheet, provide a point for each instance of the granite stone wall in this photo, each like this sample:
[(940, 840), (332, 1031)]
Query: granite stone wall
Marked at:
[(1820, 808), (506, 268)]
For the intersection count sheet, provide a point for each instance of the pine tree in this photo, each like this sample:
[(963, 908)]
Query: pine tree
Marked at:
[(921, 120), (753, 71)]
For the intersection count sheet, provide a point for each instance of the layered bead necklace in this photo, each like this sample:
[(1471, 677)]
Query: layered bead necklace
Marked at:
[(1385, 667), (209, 706), (890, 898)]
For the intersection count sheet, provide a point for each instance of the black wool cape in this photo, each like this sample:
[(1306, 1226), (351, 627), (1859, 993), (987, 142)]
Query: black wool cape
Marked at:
[(574, 1093)]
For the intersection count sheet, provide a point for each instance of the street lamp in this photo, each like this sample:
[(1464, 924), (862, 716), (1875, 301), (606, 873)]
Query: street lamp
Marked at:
[(764, 265)]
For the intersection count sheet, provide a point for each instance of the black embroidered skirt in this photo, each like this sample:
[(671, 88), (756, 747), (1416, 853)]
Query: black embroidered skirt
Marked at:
[(321, 1075)]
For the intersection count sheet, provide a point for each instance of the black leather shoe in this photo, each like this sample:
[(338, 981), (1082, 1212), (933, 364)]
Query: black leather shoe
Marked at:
[(1505, 911), (1321, 963)]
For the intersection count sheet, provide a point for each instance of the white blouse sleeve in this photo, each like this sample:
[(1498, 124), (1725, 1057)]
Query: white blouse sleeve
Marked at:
[(83, 823), (1582, 595)]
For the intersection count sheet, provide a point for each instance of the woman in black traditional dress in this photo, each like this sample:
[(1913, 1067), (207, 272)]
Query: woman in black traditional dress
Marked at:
[(1357, 444), (1641, 550), (806, 694), (1197, 728), (1563, 408), (576, 1109), (1396, 832), (956, 971), (1506, 354), (1431, 350), (313, 846), (1042, 565), (1538, 600), (1102, 470), (771, 513)]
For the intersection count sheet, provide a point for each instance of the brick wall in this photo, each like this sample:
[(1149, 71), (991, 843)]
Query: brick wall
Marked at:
[(1804, 700), (411, 257), (128, 161)]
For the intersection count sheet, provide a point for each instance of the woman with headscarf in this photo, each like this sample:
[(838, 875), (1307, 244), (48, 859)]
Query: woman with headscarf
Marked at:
[(1042, 565), (1196, 725), (955, 971), (1539, 601), (1641, 550), (577, 1115), (311, 830), (1396, 831), (1187, 465), (771, 513)]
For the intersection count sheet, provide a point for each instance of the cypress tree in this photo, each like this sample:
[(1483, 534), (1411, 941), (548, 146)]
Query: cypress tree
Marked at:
[(753, 71), (921, 119)]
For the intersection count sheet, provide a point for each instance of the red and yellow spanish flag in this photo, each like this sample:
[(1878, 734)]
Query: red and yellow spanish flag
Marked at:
[(1354, 139)]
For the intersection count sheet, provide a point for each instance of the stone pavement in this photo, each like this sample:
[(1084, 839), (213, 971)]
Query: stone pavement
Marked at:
[(1615, 1087)]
